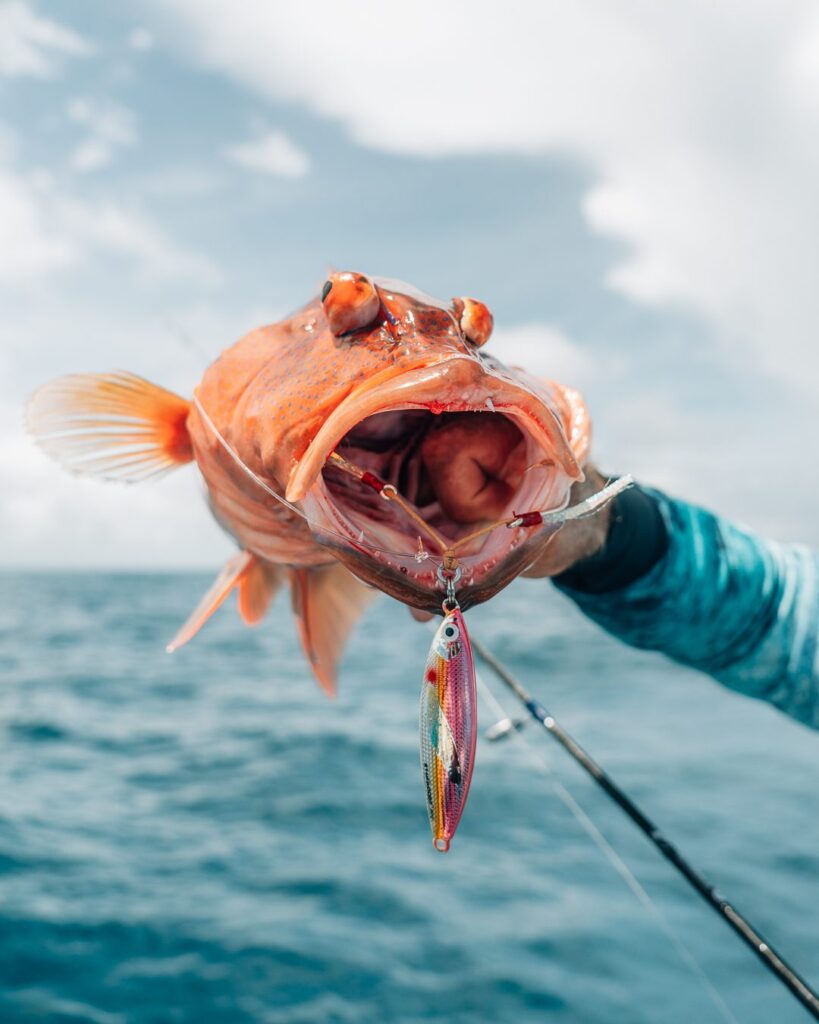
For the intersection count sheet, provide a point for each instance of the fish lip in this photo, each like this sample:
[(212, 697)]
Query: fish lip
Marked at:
[(473, 383)]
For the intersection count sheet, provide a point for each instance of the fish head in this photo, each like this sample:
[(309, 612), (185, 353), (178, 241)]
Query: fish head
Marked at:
[(399, 385)]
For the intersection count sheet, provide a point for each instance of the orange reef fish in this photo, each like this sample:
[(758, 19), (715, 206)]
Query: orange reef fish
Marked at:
[(371, 374)]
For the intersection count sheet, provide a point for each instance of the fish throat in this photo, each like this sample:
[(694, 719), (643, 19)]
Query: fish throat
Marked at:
[(417, 453), (408, 485)]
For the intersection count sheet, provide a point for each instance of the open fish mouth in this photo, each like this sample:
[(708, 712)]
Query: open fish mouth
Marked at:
[(406, 432)]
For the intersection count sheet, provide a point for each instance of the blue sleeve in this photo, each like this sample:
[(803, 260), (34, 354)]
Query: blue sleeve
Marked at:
[(743, 610)]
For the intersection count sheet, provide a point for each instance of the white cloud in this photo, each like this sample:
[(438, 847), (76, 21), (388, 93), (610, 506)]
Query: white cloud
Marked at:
[(141, 39), (29, 247), (179, 181), (164, 522), (699, 122), (273, 153), (91, 155), (112, 228), (30, 44), (48, 517), (43, 229), (544, 351), (110, 127), (109, 120), (731, 463), (168, 341)]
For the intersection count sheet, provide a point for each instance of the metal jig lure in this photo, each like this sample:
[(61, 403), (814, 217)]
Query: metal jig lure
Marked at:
[(448, 717)]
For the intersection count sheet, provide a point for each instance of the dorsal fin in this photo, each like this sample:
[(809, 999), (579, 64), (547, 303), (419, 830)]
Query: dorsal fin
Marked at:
[(112, 425), (327, 602)]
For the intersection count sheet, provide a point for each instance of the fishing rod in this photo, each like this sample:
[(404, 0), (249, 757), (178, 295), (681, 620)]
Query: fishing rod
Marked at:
[(749, 935), (752, 938)]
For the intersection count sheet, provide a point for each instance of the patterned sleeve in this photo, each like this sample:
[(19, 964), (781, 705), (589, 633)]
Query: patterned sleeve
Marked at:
[(744, 610)]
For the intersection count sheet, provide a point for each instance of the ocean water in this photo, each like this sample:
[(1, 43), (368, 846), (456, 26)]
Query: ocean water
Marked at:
[(204, 837)]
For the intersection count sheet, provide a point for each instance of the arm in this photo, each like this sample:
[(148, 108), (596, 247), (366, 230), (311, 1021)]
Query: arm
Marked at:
[(671, 577)]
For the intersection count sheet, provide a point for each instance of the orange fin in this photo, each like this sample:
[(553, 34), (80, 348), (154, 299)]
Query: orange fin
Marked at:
[(111, 425), (230, 577), (327, 602), (258, 585)]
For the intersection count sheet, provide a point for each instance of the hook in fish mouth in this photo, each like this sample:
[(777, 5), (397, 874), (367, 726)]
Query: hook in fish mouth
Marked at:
[(407, 432)]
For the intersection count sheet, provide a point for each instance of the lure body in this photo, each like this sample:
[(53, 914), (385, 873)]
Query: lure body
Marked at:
[(449, 724)]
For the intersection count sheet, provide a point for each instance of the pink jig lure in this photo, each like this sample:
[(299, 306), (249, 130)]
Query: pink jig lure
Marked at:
[(449, 725)]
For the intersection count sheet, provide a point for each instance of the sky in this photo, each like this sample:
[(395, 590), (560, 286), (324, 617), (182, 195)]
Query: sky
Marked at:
[(630, 187)]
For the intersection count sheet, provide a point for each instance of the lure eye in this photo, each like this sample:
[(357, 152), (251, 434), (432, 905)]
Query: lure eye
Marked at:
[(475, 321), (450, 632), (350, 302)]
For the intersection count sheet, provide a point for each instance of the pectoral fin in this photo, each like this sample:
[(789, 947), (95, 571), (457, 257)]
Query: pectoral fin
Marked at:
[(327, 602), (112, 425)]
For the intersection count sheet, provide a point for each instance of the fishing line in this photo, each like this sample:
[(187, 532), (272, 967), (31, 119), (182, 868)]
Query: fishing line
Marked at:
[(390, 493), (547, 517), (326, 530), (584, 508), (242, 465), (613, 858), (774, 962)]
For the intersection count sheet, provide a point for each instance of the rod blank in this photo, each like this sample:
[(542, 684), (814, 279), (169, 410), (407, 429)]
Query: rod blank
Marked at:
[(752, 938)]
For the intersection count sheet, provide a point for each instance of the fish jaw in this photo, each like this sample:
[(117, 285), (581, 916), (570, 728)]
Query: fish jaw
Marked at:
[(393, 554), (452, 385)]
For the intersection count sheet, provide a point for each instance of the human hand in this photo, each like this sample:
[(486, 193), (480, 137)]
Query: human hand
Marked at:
[(576, 540)]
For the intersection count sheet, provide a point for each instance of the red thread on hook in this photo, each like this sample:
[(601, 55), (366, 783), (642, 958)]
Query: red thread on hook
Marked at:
[(372, 481), (528, 519)]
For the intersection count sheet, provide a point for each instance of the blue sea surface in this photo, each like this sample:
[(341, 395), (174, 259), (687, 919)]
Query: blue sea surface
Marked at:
[(205, 837)]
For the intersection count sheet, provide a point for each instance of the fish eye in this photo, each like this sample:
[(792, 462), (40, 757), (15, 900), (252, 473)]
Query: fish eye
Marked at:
[(350, 302), (475, 321), (450, 632)]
